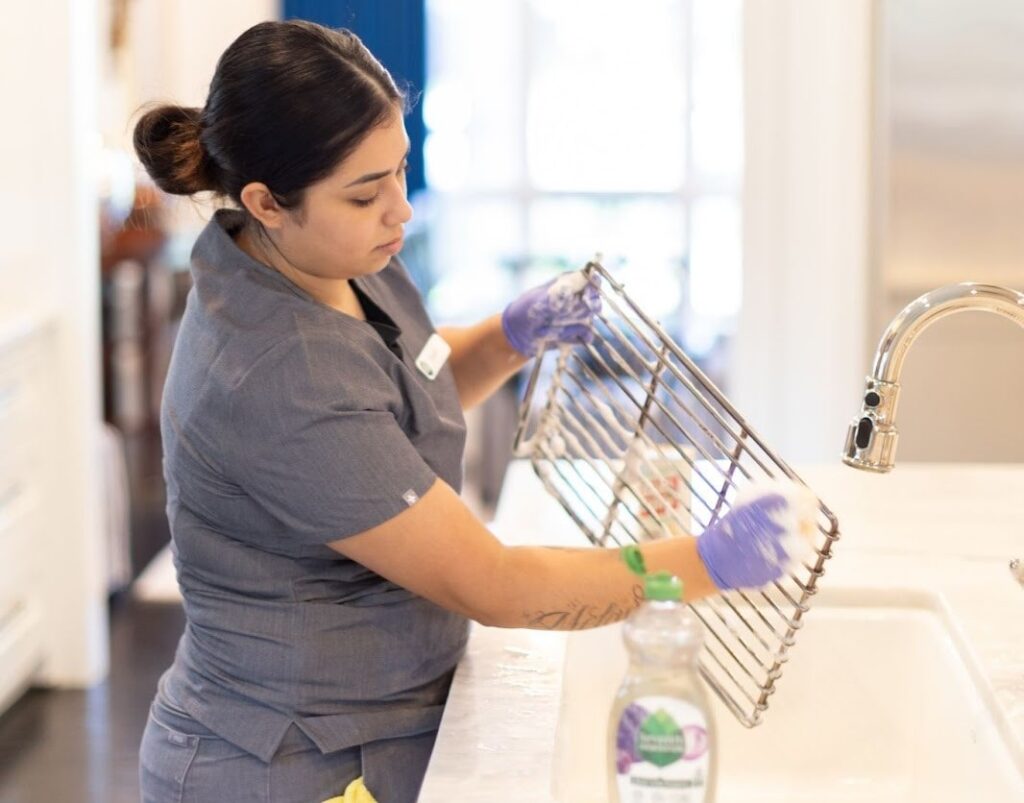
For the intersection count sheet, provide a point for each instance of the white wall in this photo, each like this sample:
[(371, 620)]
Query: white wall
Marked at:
[(174, 47), (801, 345), (884, 159), (49, 274), (950, 192)]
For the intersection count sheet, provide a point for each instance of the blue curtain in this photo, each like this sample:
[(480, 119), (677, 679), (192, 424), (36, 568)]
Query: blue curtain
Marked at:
[(395, 32)]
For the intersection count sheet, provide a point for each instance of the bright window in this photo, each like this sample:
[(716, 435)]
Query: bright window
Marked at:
[(561, 128)]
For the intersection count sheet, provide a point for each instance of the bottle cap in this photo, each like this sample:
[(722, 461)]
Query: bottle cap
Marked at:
[(659, 586), (663, 587)]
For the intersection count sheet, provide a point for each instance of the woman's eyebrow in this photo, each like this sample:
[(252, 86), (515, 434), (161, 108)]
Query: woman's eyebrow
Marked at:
[(374, 176)]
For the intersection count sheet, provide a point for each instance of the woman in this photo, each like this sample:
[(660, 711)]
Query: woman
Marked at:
[(313, 438)]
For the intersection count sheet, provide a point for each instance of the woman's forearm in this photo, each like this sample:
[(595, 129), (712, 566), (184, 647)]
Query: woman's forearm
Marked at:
[(439, 549), (481, 359), (545, 588)]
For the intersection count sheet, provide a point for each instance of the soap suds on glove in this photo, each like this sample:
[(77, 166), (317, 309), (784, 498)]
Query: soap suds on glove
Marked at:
[(568, 284), (798, 518)]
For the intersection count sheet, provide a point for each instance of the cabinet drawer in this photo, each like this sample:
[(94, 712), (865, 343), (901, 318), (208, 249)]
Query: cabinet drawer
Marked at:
[(20, 551), (21, 650), (22, 428), (19, 480), (17, 422), (19, 364)]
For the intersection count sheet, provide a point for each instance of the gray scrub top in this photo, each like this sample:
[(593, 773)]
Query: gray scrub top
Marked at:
[(287, 424)]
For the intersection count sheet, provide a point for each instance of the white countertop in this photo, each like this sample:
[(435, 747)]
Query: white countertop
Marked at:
[(948, 529)]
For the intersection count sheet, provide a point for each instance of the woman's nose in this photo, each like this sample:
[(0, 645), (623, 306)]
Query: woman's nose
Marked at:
[(399, 211)]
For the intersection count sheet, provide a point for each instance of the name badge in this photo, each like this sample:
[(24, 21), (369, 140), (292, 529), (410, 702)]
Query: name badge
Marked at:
[(433, 357)]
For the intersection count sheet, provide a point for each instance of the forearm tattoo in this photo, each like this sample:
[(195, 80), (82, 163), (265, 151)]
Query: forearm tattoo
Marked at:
[(579, 616)]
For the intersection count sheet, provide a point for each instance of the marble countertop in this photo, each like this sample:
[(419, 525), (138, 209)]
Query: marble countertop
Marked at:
[(947, 529)]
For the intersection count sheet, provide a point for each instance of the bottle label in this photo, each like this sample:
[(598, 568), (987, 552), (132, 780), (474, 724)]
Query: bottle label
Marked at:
[(663, 754)]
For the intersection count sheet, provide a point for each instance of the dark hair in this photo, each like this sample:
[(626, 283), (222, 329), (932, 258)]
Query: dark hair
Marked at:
[(287, 103)]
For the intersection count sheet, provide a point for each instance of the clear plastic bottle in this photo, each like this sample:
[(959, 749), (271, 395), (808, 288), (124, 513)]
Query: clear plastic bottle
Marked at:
[(661, 740)]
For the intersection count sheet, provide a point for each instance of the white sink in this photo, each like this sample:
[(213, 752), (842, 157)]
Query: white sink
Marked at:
[(877, 704)]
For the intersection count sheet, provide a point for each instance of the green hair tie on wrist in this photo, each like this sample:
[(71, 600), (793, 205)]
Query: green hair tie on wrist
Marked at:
[(634, 559)]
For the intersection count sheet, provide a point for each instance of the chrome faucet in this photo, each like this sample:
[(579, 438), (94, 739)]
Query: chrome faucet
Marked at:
[(871, 441)]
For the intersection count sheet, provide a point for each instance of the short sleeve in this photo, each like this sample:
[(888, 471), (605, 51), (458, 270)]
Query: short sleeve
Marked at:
[(318, 445)]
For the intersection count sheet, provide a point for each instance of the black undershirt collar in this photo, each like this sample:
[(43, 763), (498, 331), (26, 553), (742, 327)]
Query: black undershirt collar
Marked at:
[(382, 322)]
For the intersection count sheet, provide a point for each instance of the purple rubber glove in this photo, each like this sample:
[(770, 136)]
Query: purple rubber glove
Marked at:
[(767, 532), (559, 311)]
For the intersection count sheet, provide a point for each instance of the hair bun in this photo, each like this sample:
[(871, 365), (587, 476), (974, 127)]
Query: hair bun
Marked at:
[(167, 141)]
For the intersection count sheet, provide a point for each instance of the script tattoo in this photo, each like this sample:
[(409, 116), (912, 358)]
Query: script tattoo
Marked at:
[(577, 616)]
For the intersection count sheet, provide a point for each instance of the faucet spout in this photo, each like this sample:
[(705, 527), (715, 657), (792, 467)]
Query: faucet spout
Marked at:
[(871, 440)]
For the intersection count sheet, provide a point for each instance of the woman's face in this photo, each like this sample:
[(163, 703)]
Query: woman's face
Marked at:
[(351, 222)]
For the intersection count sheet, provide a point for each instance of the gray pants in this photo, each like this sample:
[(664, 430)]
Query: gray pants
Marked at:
[(181, 761)]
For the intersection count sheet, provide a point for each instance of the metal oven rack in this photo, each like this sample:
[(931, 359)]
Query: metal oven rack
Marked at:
[(636, 443)]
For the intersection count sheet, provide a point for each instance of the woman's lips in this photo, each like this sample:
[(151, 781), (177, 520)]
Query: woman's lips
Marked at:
[(393, 247)]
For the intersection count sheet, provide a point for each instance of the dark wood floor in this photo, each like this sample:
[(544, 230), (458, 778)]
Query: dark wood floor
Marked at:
[(82, 746)]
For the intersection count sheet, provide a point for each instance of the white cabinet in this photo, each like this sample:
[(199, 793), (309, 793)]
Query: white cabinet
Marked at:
[(49, 262)]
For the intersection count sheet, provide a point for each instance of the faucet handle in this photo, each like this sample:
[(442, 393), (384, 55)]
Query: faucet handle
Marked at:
[(1017, 569)]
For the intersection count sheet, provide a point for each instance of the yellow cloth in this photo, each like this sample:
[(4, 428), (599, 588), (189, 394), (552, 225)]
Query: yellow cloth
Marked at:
[(355, 793)]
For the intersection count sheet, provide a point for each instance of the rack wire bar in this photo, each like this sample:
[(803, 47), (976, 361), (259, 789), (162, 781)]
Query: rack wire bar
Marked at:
[(636, 443)]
